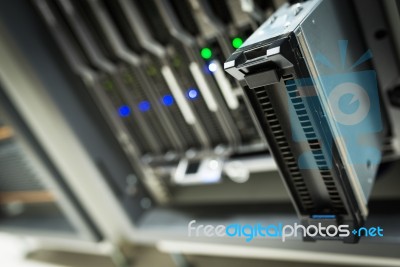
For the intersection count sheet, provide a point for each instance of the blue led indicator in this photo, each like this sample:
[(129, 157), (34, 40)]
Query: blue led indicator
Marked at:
[(124, 111), (192, 93), (144, 106), (168, 100), (212, 67)]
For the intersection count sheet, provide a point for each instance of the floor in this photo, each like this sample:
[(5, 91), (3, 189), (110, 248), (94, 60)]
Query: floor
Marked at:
[(149, 257)]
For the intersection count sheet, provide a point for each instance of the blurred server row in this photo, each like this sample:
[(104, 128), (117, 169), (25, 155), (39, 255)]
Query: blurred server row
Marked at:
[(141, 87), (154, 69)]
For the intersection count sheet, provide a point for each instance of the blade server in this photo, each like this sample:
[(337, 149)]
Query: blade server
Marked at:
[(328, 157)]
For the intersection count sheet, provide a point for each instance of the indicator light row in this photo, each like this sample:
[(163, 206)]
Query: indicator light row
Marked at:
[(192, 93), (207, 53), (167, 100)]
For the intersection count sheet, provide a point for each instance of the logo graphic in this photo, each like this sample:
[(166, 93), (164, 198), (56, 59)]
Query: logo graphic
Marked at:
[(278, 230), (350, 103)]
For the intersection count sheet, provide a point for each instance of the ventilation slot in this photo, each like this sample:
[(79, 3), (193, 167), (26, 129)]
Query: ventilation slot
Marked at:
[(17, 173), (315, 146), (287, 155)]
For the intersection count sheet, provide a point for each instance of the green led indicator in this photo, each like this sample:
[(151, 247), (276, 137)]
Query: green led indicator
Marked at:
[(237, 42), (152, 71), (176, 62), (109, 85), (206, 53), (128, 78)]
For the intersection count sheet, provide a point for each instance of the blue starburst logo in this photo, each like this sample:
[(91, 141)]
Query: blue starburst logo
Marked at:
[(350, 103)]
